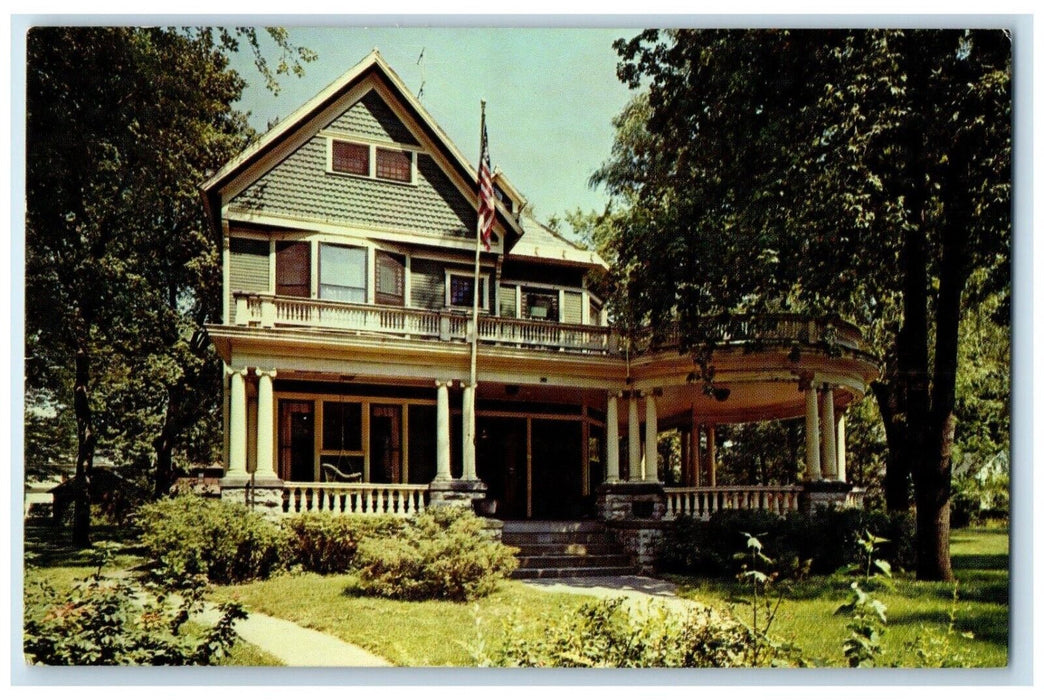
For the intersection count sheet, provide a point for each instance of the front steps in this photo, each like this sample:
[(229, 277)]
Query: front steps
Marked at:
[(563, 549)]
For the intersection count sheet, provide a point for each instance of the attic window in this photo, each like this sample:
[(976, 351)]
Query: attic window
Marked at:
[(372, 161), (351, 158)]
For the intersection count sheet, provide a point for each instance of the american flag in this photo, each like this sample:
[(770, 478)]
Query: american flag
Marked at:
[(487, 211)]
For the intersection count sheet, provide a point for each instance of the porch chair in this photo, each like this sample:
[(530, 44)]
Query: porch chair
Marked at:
[(332, 473)]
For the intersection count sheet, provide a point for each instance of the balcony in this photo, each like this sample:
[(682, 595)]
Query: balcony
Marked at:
[(268, 311)]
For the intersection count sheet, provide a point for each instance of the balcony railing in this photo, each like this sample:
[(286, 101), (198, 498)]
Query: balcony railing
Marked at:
[(269, 311)]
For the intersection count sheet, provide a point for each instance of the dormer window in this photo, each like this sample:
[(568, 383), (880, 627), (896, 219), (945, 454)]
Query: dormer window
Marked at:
[(371, 160)]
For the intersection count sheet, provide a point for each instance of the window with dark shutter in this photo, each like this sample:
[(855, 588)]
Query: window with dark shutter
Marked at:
[(391, 277), (294, 269)]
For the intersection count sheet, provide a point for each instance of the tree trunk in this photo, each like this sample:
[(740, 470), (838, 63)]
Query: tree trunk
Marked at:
[(84, 450), (163, 473), (897, 465)]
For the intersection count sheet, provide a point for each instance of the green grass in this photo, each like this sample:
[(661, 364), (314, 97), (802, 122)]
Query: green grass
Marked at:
[(425, 633), (915, 608)]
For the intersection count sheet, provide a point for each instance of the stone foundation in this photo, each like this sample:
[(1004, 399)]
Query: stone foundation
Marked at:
[(633, 513), (265, 498), (455, 493), (820, 495)]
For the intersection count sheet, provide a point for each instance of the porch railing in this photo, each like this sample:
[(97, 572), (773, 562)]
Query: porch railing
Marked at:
[(701, 502), (354, 498), (267, 311)]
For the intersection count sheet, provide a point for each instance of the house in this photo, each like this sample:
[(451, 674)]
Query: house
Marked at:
[(348, 257)]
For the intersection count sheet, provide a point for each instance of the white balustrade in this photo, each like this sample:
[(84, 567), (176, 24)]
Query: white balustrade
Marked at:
[(354, 498), (701, 502)]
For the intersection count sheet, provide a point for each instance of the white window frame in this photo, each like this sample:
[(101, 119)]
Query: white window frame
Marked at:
[(368, 267), (483, 285)]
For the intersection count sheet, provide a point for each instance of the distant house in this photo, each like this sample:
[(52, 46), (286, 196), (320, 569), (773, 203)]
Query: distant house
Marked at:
[(349, 244)]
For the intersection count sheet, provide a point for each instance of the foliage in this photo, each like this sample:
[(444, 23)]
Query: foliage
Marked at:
[(442, 553), (942, 650), (326, 542), (189, 536), (820, 543), (123, 124), (611, 633), (755, 576), (981, 493), (904, 140), (116, 621), (866, 627)]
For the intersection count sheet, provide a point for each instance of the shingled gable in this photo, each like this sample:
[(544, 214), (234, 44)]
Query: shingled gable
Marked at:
[(283, 175)]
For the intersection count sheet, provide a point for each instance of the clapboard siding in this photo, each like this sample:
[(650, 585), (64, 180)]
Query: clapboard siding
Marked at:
[(427, 284)]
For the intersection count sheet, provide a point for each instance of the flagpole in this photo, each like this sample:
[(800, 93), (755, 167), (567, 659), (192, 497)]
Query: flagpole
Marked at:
[(469, 391)]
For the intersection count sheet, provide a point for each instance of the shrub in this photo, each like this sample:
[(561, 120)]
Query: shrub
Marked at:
[(819, 543), (443, 553), (106, 621), (609, 633), (226, 542), (326, 542)]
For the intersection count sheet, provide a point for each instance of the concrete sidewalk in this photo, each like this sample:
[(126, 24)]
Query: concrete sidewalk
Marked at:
[(295, 645)]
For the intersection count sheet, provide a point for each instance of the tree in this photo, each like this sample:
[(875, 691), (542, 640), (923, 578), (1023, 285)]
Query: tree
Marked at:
[(122, 126), (862, 173)]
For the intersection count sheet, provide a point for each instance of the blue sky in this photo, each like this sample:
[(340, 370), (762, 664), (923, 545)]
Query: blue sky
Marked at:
[(550, 95)]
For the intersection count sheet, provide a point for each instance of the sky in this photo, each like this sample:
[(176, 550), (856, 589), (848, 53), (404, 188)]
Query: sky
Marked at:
[(551, 95)]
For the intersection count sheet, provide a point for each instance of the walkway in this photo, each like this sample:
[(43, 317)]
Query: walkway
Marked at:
[(635, 589), (295, 645)]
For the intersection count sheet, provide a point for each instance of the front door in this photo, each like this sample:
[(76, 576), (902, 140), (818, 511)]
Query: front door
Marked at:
[(500, 458), (296, 441), (557, 470)]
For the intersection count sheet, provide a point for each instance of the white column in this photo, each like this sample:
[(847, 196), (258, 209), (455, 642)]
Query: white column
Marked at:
[(265, 426), (468, 434), (634, 445), (652, 454), (612, 440), (237, 426), (712, 456), (442, 432), (829, 438), (812, 434), (842, 459)]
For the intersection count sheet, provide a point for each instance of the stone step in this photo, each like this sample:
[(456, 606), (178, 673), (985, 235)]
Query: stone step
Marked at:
[(516, 539), (513, 526), (574, 562), (563, 548), (571, 573)]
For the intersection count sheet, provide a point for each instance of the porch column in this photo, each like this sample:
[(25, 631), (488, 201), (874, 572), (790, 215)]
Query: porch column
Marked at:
[(812, 434), (468, 430), (652, 454), (842, 459), (634, 451), (237, 426), (829, 438), (712, 456), (442, 432), (265, 427), (612, 440)]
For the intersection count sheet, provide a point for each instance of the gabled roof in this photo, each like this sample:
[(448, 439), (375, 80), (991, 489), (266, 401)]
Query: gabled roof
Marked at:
[(373, 64), (541, 243)]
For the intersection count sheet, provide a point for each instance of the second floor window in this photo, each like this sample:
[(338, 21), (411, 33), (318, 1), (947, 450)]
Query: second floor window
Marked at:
[(342, 273), (460, 291)]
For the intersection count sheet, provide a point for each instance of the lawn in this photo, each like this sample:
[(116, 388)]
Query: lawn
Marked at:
[(430, 633), (915, 608)]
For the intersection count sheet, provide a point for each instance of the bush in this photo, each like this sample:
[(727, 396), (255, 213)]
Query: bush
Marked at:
[(187, 536), (105, 621), (326, 542), (607, 633), (441, 554), (820, 544)]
